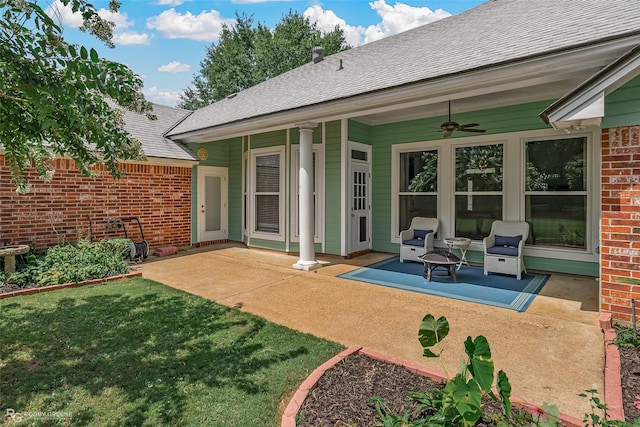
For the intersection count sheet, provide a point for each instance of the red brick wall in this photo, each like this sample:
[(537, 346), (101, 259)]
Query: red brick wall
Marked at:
[(620, 223), (160, 196)]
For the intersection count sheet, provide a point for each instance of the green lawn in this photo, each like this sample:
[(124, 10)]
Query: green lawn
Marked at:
[(140, 353)]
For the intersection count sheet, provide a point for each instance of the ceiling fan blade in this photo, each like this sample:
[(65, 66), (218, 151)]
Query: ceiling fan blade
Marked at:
[(468, 125), (472, 130)]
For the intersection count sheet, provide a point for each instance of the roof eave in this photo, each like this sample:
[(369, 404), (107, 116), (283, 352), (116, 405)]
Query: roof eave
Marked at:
[(584, 105)]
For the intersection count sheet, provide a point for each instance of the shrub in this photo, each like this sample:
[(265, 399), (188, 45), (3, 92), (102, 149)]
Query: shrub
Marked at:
[(66, 262)]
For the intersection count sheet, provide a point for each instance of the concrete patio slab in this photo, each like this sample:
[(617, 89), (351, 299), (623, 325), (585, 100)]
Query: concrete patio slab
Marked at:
[(551, 353)]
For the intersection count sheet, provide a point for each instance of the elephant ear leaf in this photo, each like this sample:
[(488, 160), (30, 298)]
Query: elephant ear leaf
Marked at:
[(432, 332), (480, 362), (504, 390)]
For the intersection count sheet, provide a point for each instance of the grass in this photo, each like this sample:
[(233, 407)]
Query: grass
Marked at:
[(137, 352)]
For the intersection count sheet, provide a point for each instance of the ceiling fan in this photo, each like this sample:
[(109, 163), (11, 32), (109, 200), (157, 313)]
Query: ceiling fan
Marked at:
[(449, 126)]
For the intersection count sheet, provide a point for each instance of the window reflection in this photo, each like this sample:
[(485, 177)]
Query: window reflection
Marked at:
[(478, 198)]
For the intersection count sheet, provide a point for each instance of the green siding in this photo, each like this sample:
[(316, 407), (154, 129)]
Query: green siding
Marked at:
[(622, 107), (547, 264), (563, 266), (218, 152), (294, 136), (294, 247), (359, 132), (269, 139), (268, 244), (333, 186)]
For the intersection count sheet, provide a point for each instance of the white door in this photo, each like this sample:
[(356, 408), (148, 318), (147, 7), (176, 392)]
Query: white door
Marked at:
[(360, 207), (212, 203)]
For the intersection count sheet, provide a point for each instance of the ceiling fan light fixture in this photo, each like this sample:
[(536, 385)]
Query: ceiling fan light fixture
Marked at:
[(450, 126)]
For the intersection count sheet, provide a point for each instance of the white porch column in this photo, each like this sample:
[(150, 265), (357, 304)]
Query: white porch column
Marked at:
[(305, 207)]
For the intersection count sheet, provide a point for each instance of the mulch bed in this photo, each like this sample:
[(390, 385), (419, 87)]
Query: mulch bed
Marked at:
[(12, 287), (630, 379), (342, 396)]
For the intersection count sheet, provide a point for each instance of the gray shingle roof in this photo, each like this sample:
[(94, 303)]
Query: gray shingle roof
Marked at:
[(150, 132), (495, 32)]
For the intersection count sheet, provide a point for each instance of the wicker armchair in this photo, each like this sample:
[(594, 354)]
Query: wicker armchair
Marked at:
[(503, 248), (418, 239)]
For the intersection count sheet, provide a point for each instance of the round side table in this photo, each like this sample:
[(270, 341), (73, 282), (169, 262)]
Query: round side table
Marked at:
[(461, 244)]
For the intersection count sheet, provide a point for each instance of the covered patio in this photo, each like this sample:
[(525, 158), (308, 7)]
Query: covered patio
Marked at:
[(551, 353)]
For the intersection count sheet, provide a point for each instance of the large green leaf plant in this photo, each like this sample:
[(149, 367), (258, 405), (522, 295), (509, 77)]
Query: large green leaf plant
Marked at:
[(461, 401)]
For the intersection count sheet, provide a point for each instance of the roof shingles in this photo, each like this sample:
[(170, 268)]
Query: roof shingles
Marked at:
[(492, 33), (150, 133)]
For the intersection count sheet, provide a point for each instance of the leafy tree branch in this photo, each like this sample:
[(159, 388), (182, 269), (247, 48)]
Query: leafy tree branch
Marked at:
[(60, 99)]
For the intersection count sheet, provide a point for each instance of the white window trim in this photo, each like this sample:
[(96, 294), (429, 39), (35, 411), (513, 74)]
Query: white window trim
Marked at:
[(513, 185), (395, 179), (318, 150), (592, 232), (258, 152)]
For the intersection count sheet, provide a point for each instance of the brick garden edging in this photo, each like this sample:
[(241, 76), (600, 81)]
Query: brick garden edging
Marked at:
[(290, 412), (612, 384), (32, 291)]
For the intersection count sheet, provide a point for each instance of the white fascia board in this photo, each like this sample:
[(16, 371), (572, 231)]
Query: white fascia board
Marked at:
[(164, 161), (585, 105)]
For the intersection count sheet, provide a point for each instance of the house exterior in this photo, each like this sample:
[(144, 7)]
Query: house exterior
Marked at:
[(156, 191), (337, 156)]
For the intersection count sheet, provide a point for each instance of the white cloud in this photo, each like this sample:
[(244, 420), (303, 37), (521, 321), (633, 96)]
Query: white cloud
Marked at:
[(259, 1), (206, 26), (326, 21), (164, 97), (399, 18), (65, 16), (174, 67), (131, 37), (170, 2), (395, 19)]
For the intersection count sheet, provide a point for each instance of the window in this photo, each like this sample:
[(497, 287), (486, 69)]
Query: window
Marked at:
[(318, 167), (418, 186), (268, 188), (478, 189), (556, 192)]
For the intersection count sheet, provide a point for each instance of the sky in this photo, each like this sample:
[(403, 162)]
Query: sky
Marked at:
[(164, 41)]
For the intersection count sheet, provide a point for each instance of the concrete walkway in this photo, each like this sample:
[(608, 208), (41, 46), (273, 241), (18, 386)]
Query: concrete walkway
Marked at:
[(550, 353)]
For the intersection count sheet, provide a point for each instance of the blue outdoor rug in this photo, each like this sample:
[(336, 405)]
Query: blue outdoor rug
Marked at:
[(495, 289)]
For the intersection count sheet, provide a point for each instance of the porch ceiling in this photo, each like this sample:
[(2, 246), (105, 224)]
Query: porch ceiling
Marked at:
[(438, 106)]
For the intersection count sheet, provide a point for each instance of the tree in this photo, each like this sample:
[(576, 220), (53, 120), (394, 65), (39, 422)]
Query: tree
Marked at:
[(227, 68), (53, 95), (245, 56)]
